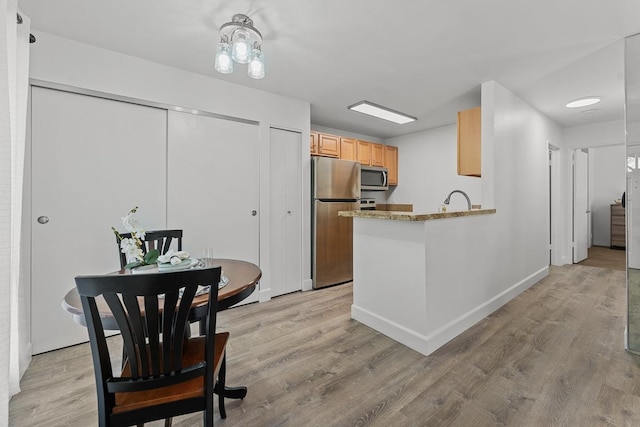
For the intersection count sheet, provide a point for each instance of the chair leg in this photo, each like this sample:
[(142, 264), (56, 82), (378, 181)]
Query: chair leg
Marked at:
[(221, 382), (168, 422)]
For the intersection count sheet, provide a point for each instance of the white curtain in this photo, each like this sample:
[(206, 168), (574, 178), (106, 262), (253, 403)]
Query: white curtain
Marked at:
[(14, 73)]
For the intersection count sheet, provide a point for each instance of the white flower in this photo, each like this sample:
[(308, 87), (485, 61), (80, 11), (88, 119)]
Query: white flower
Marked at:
[(130, 222), (127, 245), (140, 234), (131, 249)]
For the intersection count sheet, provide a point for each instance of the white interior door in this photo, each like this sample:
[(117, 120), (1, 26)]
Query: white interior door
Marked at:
[(214, 185), (93, 160), (285, 212), (581, 209)]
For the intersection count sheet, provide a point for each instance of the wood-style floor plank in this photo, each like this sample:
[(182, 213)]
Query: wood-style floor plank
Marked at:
[(552, 356)]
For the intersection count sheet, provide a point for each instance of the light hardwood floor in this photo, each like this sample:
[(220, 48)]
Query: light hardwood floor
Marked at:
[(552, 356), (601, 256)]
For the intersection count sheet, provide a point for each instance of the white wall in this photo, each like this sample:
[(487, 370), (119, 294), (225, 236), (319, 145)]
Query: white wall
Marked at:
[(427, 171), (594, 135), (67, 62), (515, 139), (607, 178)]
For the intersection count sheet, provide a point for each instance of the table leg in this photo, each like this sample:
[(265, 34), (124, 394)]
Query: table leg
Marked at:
[(228, 392)]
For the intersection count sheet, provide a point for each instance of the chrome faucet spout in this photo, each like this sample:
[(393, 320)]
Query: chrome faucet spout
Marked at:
[(448, 199)]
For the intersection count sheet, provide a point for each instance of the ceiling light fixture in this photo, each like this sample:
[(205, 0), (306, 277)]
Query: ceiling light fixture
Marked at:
[(583, 102), (381, 112), (240, 42)]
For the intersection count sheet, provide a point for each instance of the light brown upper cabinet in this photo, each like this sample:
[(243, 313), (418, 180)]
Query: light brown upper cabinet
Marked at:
[(377, 154), (391, 163), (370, 153), (469, 142), (328, 145), (348, 149), (313, 143), (364, 152)]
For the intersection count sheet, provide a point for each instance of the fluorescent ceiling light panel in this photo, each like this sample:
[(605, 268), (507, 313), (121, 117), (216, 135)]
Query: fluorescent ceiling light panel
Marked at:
[(583, 102), (381, 112)]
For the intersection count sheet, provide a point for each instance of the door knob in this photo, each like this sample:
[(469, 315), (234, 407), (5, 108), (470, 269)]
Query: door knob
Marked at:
[(254, 213), (43, 219)]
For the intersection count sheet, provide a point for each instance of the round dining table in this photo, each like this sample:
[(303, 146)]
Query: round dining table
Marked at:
[(242, 278)]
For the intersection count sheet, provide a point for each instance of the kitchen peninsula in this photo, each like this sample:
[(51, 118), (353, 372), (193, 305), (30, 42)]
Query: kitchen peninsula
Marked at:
[(411, 270)]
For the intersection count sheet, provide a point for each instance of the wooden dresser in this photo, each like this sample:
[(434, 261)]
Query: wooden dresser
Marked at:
[(618, 235)]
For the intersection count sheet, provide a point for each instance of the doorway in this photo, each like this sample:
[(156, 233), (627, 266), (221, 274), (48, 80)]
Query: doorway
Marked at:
[(581, 206), (605, 184)]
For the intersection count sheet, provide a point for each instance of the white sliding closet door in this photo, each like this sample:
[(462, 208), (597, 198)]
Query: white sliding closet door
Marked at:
[(93, 160), (214, 185)]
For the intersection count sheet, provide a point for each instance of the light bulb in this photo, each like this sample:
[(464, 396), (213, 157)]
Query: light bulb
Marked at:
[(255, 69), (241, 51), (224, 64)]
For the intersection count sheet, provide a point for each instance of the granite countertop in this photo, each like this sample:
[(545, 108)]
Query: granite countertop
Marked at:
[(412, 216)]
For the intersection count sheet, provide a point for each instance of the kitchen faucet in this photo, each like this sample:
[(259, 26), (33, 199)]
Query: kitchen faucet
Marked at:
[(448, 199)]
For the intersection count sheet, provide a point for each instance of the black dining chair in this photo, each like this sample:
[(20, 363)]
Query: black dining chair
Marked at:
[(166, 373), (157, 239)]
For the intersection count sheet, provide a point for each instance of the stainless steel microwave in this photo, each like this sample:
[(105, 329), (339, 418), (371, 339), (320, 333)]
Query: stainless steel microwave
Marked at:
[(373, 178)]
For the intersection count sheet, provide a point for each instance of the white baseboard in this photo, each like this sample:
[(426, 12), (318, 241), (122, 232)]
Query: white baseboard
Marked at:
[(427, 344), (264, 295), (307, 285)]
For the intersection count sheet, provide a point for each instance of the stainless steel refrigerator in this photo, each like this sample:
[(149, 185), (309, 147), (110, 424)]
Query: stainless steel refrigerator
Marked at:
[(335, 187)]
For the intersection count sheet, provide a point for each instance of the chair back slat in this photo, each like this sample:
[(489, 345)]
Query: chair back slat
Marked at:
[(120, 315), (151, 309), (170, 306), (137, 336)]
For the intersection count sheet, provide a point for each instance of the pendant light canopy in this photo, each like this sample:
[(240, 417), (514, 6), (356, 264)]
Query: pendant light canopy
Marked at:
[(240, 42)]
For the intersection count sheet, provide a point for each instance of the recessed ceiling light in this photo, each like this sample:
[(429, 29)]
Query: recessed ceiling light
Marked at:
[(381, 112), (583, 102)]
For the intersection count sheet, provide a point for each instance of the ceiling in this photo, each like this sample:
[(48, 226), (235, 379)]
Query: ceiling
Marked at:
[(424, 58)]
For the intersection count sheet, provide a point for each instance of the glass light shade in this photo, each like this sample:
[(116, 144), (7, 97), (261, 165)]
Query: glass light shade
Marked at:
[(241, 50), (224, 64), (255, 69)]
